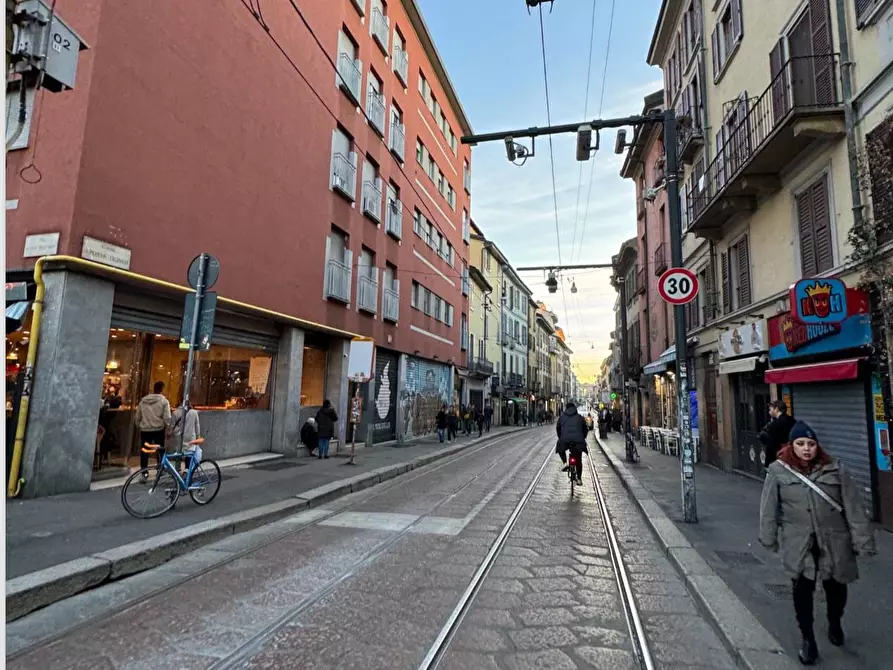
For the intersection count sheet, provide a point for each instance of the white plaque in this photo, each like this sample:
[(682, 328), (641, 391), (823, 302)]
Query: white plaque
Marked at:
[(45, 244), (105, 253)]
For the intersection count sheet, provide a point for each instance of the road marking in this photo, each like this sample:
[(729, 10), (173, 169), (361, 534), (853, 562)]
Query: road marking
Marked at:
[(372, 521)]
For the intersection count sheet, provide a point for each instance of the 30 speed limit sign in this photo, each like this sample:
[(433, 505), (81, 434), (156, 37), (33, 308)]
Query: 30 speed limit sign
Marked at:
[(678, 286)]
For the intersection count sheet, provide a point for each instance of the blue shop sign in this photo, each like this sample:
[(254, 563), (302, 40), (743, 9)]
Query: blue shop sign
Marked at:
[(819, 301)]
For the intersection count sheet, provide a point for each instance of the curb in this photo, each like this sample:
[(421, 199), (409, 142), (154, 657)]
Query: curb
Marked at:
[(747, 639), (38, 589)]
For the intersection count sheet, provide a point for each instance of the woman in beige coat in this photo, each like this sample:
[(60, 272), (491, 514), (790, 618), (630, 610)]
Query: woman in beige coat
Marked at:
[(811, 512)]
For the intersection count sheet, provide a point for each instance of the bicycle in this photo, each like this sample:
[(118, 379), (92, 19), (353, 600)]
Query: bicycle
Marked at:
[(573, 455), (632, 453), (201, 482)]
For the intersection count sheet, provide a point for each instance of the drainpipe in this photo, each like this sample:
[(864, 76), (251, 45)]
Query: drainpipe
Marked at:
[(846, 81)]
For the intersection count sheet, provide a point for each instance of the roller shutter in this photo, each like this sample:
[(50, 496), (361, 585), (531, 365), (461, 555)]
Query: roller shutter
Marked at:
[(837, 413)]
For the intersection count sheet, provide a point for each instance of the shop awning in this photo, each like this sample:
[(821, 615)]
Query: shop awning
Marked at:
[(660, 365), (748, 364), (815, 372), (15, 315)]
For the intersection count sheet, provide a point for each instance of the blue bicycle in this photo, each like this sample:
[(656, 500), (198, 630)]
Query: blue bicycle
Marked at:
[(147, 495)]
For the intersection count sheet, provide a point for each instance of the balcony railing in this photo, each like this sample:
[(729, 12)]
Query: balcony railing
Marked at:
[(375, 110), (371, 200), (351, 75), (401, 65), (344, 175), (689, 139), (367, 294), (641, 281), (801, 105), (482, 366), (338, 281), (390, 305), (513, 380), (381, 28), (660, 259), (394, 221), (397, 140)]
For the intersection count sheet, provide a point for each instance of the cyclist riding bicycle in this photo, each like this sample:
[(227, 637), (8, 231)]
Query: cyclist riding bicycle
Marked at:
[(572, 428)]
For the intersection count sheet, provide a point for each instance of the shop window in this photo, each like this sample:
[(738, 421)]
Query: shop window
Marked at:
[(313, 377)]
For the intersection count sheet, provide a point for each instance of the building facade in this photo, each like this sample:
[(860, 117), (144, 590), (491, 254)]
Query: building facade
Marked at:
[(783, 113), (325, 227), (514, 300)]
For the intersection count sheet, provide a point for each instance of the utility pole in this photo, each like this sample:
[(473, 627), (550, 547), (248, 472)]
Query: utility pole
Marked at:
[(668, 119), (689, 499)]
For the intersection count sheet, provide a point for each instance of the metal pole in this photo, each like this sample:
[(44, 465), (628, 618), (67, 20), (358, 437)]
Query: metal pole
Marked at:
[(193, 335), (689, 499), (596, 124), (624, 363)]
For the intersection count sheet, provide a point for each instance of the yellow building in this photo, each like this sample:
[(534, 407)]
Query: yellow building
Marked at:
[(782, 108), (482, 262)]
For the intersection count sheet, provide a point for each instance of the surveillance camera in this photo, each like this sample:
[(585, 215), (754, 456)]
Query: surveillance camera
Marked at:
[(620, 141), (510, 149), (584, 142)]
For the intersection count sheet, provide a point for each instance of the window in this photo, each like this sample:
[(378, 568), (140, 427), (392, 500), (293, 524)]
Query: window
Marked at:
[(432, 168), (466, 176), (350, 68), (429, 236), (344, 164), (375, 103), (814, 227), (726, 36), (451, 197), (418, 222), (424, 89), (736, 285), (464, 332), (441, 183), (372, 190)]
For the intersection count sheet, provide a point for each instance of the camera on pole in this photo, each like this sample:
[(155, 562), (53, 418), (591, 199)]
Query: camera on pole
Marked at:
[(584, 142), (620, 142)]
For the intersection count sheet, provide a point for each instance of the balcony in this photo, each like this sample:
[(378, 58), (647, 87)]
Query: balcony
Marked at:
[(367, 294), (481, 366), (660, 259), (513, 380), (381, 30), (689, 140), (344, 175), (394, 219), (634, 362), (397, 140), (372, 201), (802, 106), (401, 65), (350, 73), (390, 300), (375, 110), (641, 281), (338, 281)]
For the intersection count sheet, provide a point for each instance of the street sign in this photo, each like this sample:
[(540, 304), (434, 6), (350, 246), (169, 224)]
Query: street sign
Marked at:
[(212, 271), (205, 329), (678, 286)]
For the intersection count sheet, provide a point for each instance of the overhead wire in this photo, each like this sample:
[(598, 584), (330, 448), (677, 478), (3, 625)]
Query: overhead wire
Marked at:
[(601, 102)]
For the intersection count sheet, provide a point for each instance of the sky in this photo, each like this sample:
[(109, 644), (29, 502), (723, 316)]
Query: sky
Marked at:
[(493, 53)]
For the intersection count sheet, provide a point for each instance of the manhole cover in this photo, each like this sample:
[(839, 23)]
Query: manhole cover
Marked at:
[(737, 558), (278, 465)]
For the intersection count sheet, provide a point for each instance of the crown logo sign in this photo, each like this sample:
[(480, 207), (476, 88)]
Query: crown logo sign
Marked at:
[(819, 290)]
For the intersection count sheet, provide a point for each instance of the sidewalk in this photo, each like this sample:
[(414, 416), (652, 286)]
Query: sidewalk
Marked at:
[(48, 531), (726, 537)]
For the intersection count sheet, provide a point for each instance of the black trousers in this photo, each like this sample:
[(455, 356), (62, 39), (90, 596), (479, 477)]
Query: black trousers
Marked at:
[(150, 437), (803, 591), (578, 459)]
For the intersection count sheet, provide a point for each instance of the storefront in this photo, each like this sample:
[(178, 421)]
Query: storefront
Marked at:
[(427, 386), (382, 412), (819, 356), (18, 334), (743, 359)]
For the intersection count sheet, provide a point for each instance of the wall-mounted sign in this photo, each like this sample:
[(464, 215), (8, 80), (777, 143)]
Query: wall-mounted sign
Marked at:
[(819, 301), (105, 253), (45, 244), (791, 338), (745, 340)]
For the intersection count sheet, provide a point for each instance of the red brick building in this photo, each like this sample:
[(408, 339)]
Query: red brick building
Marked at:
[(333, 190)]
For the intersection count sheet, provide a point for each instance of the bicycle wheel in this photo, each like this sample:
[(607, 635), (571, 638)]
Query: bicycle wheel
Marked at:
[(205, 483), (152, 497)]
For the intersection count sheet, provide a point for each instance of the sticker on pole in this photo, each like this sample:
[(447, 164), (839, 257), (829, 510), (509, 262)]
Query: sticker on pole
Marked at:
[(678, 286)]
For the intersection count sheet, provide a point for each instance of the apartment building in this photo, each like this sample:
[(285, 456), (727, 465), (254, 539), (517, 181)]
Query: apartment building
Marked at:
[(780, 104), (335, 197), (545, 347), (478, 374)]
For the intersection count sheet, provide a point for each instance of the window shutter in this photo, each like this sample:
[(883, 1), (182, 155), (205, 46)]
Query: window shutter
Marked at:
[(779, 75), (744, 291), (348, 261), (696, 28), (714, 50), (862, 7), (737, 22), (821, 217), (720, 161), (820, 24), (711, 294), (805, 227), (743, 130), (726, 284)]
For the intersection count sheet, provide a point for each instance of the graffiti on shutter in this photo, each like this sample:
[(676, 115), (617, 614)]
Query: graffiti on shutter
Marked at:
[(384, 419), (821, 218), (743, 273), (807, 238), (426, 388), (726, 284), (820, 26)]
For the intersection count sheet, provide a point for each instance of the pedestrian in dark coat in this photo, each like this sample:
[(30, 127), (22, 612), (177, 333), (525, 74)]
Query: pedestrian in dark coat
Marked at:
[(479, 420), (775, 435), (488, 417), (441, 423), (811, 513), (326, 418), (309, 436), (452, 424)]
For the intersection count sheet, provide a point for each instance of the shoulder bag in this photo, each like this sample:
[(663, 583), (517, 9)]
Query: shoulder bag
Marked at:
[(811, 484)]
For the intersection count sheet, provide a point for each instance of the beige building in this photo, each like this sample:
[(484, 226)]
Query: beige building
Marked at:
[(780, 105)]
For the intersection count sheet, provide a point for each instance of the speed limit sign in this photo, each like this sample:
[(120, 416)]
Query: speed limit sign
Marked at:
[(678, 286)]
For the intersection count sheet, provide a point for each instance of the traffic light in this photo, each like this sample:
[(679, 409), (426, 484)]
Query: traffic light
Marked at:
[(613, 396)]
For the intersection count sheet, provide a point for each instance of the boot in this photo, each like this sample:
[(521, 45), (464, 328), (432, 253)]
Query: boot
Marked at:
[(803, 606), (836, 595), (809, 652), (835, 633)]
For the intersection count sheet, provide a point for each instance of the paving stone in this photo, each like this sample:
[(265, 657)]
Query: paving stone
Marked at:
[(476, 638), (543, 638), (596, 584), (603, 571), (555, 571), (603, 637), (463, 660), (550, 584), (546, 616), (676, 604), (504, 585), (551, 599), (552, 659), (603, 658), (510, 571), (492, 618)]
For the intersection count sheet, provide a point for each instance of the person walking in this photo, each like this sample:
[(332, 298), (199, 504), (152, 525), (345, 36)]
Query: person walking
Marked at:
[(776, 432), (153, 416), (488, 417), (811, 513), (441, 423), (479, 420), (325, 422), (309, 436), (452, 423), (466, 415)]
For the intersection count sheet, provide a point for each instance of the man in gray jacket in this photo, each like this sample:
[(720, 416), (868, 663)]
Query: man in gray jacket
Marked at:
[(153, 415)]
